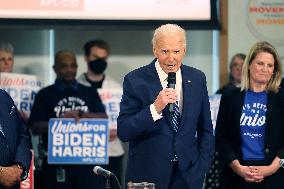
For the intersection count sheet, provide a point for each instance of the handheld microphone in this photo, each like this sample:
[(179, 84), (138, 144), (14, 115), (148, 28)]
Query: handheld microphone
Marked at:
[(98, 170), (171, 84)]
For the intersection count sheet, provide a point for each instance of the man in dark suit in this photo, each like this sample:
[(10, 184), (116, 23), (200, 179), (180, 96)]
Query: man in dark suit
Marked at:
[(171, 150), (15, 155)]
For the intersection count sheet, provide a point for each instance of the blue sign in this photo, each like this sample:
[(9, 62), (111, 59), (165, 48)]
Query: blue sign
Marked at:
[(84, 142)]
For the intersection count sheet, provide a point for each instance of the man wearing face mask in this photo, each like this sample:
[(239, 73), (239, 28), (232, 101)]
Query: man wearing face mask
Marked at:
[(96, 54)]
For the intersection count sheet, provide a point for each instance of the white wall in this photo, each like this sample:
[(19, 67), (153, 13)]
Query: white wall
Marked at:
[(129, 50), (32, 50)]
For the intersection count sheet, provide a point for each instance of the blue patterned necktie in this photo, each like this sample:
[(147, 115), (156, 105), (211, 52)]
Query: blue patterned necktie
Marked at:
[(176, 117)]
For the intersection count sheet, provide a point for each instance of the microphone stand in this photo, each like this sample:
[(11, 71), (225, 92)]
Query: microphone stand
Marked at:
[(107, 174), (107, 183)]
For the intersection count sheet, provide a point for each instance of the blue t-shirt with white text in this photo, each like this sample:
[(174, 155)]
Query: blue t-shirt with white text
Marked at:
[(253, 123)]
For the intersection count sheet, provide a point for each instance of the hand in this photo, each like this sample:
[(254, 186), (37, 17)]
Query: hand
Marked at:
[(256, 177), (72, 114), (265, 171), (260, 172), (166, 96), (10, 176), (243, 171), (112, 134), (24, 116), (93, 115)]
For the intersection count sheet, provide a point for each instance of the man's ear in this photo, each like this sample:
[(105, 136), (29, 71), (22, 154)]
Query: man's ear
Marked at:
[(155, 51)]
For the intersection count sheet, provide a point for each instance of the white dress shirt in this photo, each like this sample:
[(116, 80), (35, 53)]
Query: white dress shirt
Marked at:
[(178, 87)]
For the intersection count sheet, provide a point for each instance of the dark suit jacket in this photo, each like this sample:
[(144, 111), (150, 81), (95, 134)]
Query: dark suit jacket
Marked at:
[(14, 140), (228, 139), (151, 144)]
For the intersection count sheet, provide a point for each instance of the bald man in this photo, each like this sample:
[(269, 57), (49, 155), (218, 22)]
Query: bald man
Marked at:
[(53, 102)]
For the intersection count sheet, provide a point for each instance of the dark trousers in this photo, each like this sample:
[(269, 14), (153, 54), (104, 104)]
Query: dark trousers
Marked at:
[(177, 181)]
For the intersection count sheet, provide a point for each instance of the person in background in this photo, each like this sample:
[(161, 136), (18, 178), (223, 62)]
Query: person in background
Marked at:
[(7, 65), (236, 64), (172, 149), (6, 57), (249, 128), (96, 54), (54, 102), (214, 177), (15, 151)]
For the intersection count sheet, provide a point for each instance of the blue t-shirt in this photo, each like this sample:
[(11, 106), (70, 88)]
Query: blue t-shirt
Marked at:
[(253, 123)]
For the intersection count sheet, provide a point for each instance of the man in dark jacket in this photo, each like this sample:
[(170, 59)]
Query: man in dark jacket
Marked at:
[(15, 155)]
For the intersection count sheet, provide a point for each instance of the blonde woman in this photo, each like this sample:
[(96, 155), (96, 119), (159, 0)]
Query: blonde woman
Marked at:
[(250, 130)]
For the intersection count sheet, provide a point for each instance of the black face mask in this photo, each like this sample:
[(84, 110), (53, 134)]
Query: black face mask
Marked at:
[(98, 66)]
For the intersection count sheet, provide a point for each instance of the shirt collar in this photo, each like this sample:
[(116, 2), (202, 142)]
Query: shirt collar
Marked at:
[(61, 86)]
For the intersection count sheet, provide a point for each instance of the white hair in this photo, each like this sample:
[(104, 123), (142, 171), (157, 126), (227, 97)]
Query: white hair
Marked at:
[(168, 30), (7, 47)]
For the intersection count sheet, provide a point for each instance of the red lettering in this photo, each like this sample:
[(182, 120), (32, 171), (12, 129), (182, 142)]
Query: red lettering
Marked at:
[(253, 9), (266, 9)]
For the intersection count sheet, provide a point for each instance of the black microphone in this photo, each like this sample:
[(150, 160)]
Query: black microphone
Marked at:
[(171, 84), (98, 170)]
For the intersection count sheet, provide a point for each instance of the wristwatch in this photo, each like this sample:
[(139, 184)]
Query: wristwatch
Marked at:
[(281, 162), (24, 174)]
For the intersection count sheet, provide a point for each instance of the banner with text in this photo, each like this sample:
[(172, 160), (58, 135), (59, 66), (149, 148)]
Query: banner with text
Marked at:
[(29, 182), (22, 88), (83, 142), (111, 99)]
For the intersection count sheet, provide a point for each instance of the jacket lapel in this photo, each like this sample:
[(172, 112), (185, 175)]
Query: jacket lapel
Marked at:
[(237, 104), (3, 122), (187, 94), (272, 102), (154, 81)]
